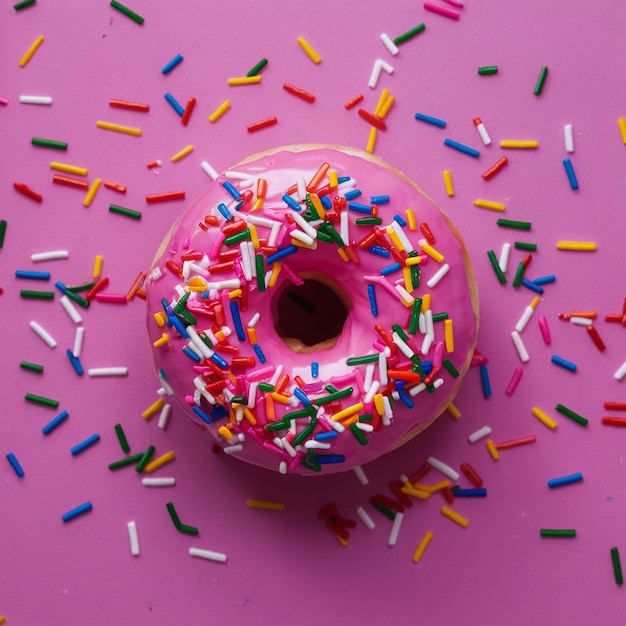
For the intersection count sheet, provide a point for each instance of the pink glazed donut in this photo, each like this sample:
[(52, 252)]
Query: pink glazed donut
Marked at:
[(312, 310)]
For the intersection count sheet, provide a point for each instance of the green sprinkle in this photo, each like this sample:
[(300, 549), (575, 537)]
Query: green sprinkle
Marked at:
[(292, 415), (3, 231), (190, 530), (23, 4), (304, 433), (557, 532), (520, 245), (172, 511), (121, 437), (314, 467), (409, 34), (360, 360), (323, 236), (232, 240), (367, 417), (260, 272), (49, 143), (440, 317), (415, 316), (129, 460), (541, 80), (514, 224), (239, 400), (331, 231), (384, 510), (33, 367), (37, 295), (415, 275), (77, 298), (113, 208), (496, 267), (31, 397), (257, 68), (85, 287), (368, 221), (417, 365), (359, 434), (337, 395), (266, 387), (145, 459), (617, 566), (519, 274), (397, 328), (331, 389), (447, 363), (127, 12), (486, 70), (573, 416), (277, 426)]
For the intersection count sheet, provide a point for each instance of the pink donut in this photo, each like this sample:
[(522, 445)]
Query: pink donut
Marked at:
[(312, 309)]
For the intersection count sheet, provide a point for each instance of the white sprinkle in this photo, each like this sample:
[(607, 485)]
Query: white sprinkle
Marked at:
[(388, 43), (519, 346), (164, 416), (369, 376), (427, 342), (402, 345), (338, 426), (446, 470), (413, 391), (430, 326), (254, 319), (484, 135), (387, 415), (581, 321), (372, 391), (365, 518), (569, 138), (505, 253), (233, 449), (70, 309), (405, 296), (479, 434), (304, 225), (526, 315), (300, 236), (236, 175), (421, 323), (35, 99), (233, 283), (275, 230), (250, 247), (278, 372), (366, 428), (621, 372), (245, 261), (311, 444), (382, 368), (208, 554), (288, 448), (441, 272), (202, 348), (257, 220), (360, 474), (408, 246), (379, 65), (78, 341), (158, 482), (49, 256), (44, 335), (108, 371), (301, 186), (395, 529), (134, 538), (282, 467), (344, 227)]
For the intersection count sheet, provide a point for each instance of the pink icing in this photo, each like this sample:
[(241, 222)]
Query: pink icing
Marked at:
[(251, 440)]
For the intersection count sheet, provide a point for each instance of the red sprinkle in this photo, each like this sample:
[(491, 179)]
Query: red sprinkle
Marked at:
[(99, 286), (153, 198), (68, 181), (353, 101), (512, 443), (300, 93), (131, 106), (427, 233), (269, 121), (372, 119), (23, 188), (421, 473), (189, 107), (495, 168), (317, 178), (593, 333), (614, 421), (615, 406), (115, 186), (472, 475)]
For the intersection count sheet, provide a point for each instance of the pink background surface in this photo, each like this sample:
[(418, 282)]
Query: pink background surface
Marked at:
[(284, 567)]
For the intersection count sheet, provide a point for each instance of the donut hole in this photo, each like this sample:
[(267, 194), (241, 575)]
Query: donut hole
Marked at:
[(311, 316)]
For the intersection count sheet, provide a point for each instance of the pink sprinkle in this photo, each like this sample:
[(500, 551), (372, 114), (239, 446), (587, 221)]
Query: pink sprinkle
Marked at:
[(260, 374), (517, 376), (445, 11), (4, 100), (545, 331), (111, 298), (455, 3)]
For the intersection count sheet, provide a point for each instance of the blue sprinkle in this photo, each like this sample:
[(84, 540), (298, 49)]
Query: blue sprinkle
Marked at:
[(172, 320), (565, 480), (291, 203), (470, 493), (231, 190), (315, 369), (352, 194), (400, 220), (379, 199), (59, 419), (170, 65), (326, 459), (281, 253), (544, 280), (259, 353), (371, 294), (83, 445), (461, 148), (568, 365), (219, 361), (191, 354), (223, 209), (174, 104), (390, 269), (533, 286), (571, 176), (380, 251), (342, 179), (15, 464), (61, 287), (484, 379), (202, 415), (79, 510), (301, 396), (435, 121), (234, 311), (427, 366), (404, 396), (326, 202), (32, 275), (75, 361), (357, 207), (239, 205), (331, 434)]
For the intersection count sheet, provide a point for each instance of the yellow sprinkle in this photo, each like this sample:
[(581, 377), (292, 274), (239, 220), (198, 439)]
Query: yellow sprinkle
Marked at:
[(455, 517), (333, 178), (488, 204), (68, 169), (254, 237), (342, 253), (491, 448), (384, 94), (451, 408), (302, 244), (306, 46), (244, 80), (419, 553), (31, 51), (448, 331), (520, 144), (535, 302), (350, 410), (220, 336), (168, 457), (276, 267), (160, 318), (117, 128), (182, 154), (258, 204), (422, 494), (412, 260), (235, 293), (266, 505), (408, 281), (247, 413), (386, 106), (577, 246), (447, 181), (394, 238), (341, 540), (221, 109), (252, 336), (2, 619), (196, 283), (425, 303), (371, 140), (410, 219), (97, 266), (379, 405), (279, 397), (162, 341), (91, 193), (621, 122), (317, 203), (153, 409), (442, 484), (432, 253), (351, 420), (225, 432), (543, 418)]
